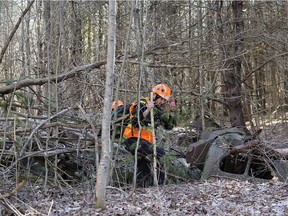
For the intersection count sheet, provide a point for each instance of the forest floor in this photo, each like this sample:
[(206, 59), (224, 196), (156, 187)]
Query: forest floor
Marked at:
[(216, 196)]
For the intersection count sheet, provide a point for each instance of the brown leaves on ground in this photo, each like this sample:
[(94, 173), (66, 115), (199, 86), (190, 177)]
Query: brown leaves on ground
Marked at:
[(214, 197)]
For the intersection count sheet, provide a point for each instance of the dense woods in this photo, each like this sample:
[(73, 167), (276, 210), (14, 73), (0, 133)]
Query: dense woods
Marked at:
[(182, 43), (60, 72)]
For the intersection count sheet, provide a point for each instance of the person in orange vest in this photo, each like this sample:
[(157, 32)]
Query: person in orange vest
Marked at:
[(119, 104), (161, 95)]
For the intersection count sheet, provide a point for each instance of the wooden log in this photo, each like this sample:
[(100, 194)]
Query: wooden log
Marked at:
[(244, 148)]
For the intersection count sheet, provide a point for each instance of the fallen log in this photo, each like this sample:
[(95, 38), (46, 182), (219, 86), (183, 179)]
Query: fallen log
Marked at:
[(40, 81), (14, 191), (244, 148), (256, 144), (283, 152)]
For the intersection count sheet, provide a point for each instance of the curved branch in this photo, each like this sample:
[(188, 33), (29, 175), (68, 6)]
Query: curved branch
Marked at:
[(262, 65), (14, 30), (40, 81), (14, 191)]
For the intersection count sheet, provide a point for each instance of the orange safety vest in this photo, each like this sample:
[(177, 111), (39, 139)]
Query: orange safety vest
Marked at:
[(132, 132)]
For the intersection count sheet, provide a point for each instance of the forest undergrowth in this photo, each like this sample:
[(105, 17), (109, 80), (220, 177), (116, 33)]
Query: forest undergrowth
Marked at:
[(214, 196)]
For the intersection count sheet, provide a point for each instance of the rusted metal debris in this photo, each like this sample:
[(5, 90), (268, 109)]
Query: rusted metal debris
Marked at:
[(236, 153)]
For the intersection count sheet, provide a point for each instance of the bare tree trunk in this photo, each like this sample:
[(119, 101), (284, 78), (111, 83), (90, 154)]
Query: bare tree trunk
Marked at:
[(200, 71), (139, 35), (211, 76), (48, 67), (47, 53), (233, 74), (105, 159), (77, 40), (216, 9), (76, 87), (284, 13), (285, 72)]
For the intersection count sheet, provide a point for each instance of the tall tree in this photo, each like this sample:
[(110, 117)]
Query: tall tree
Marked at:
[(105, 159), (216, 8), (76, 48), (233, 73)]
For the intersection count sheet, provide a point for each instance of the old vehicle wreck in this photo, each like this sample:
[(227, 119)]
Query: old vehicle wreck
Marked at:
[(235, 153)]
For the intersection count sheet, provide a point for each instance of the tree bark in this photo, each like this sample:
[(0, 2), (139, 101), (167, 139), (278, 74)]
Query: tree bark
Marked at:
[(75, 86), (216, 8), (233, 73), (105, 158)]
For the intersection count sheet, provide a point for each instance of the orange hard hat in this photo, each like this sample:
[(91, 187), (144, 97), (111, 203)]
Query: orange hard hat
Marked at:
[(119, 103), (162, 90)]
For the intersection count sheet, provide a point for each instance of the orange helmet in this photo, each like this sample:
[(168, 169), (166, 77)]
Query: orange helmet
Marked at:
[(119, 103), (162, 90)]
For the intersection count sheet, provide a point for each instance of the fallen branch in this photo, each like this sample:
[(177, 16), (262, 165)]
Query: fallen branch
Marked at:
[(44, 153), (283, 152), (39, 126), (40, 81), (244, 148), (157, 65), (256, 144), (49, 153), (262, 65), (18, 187), (177, 177)]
